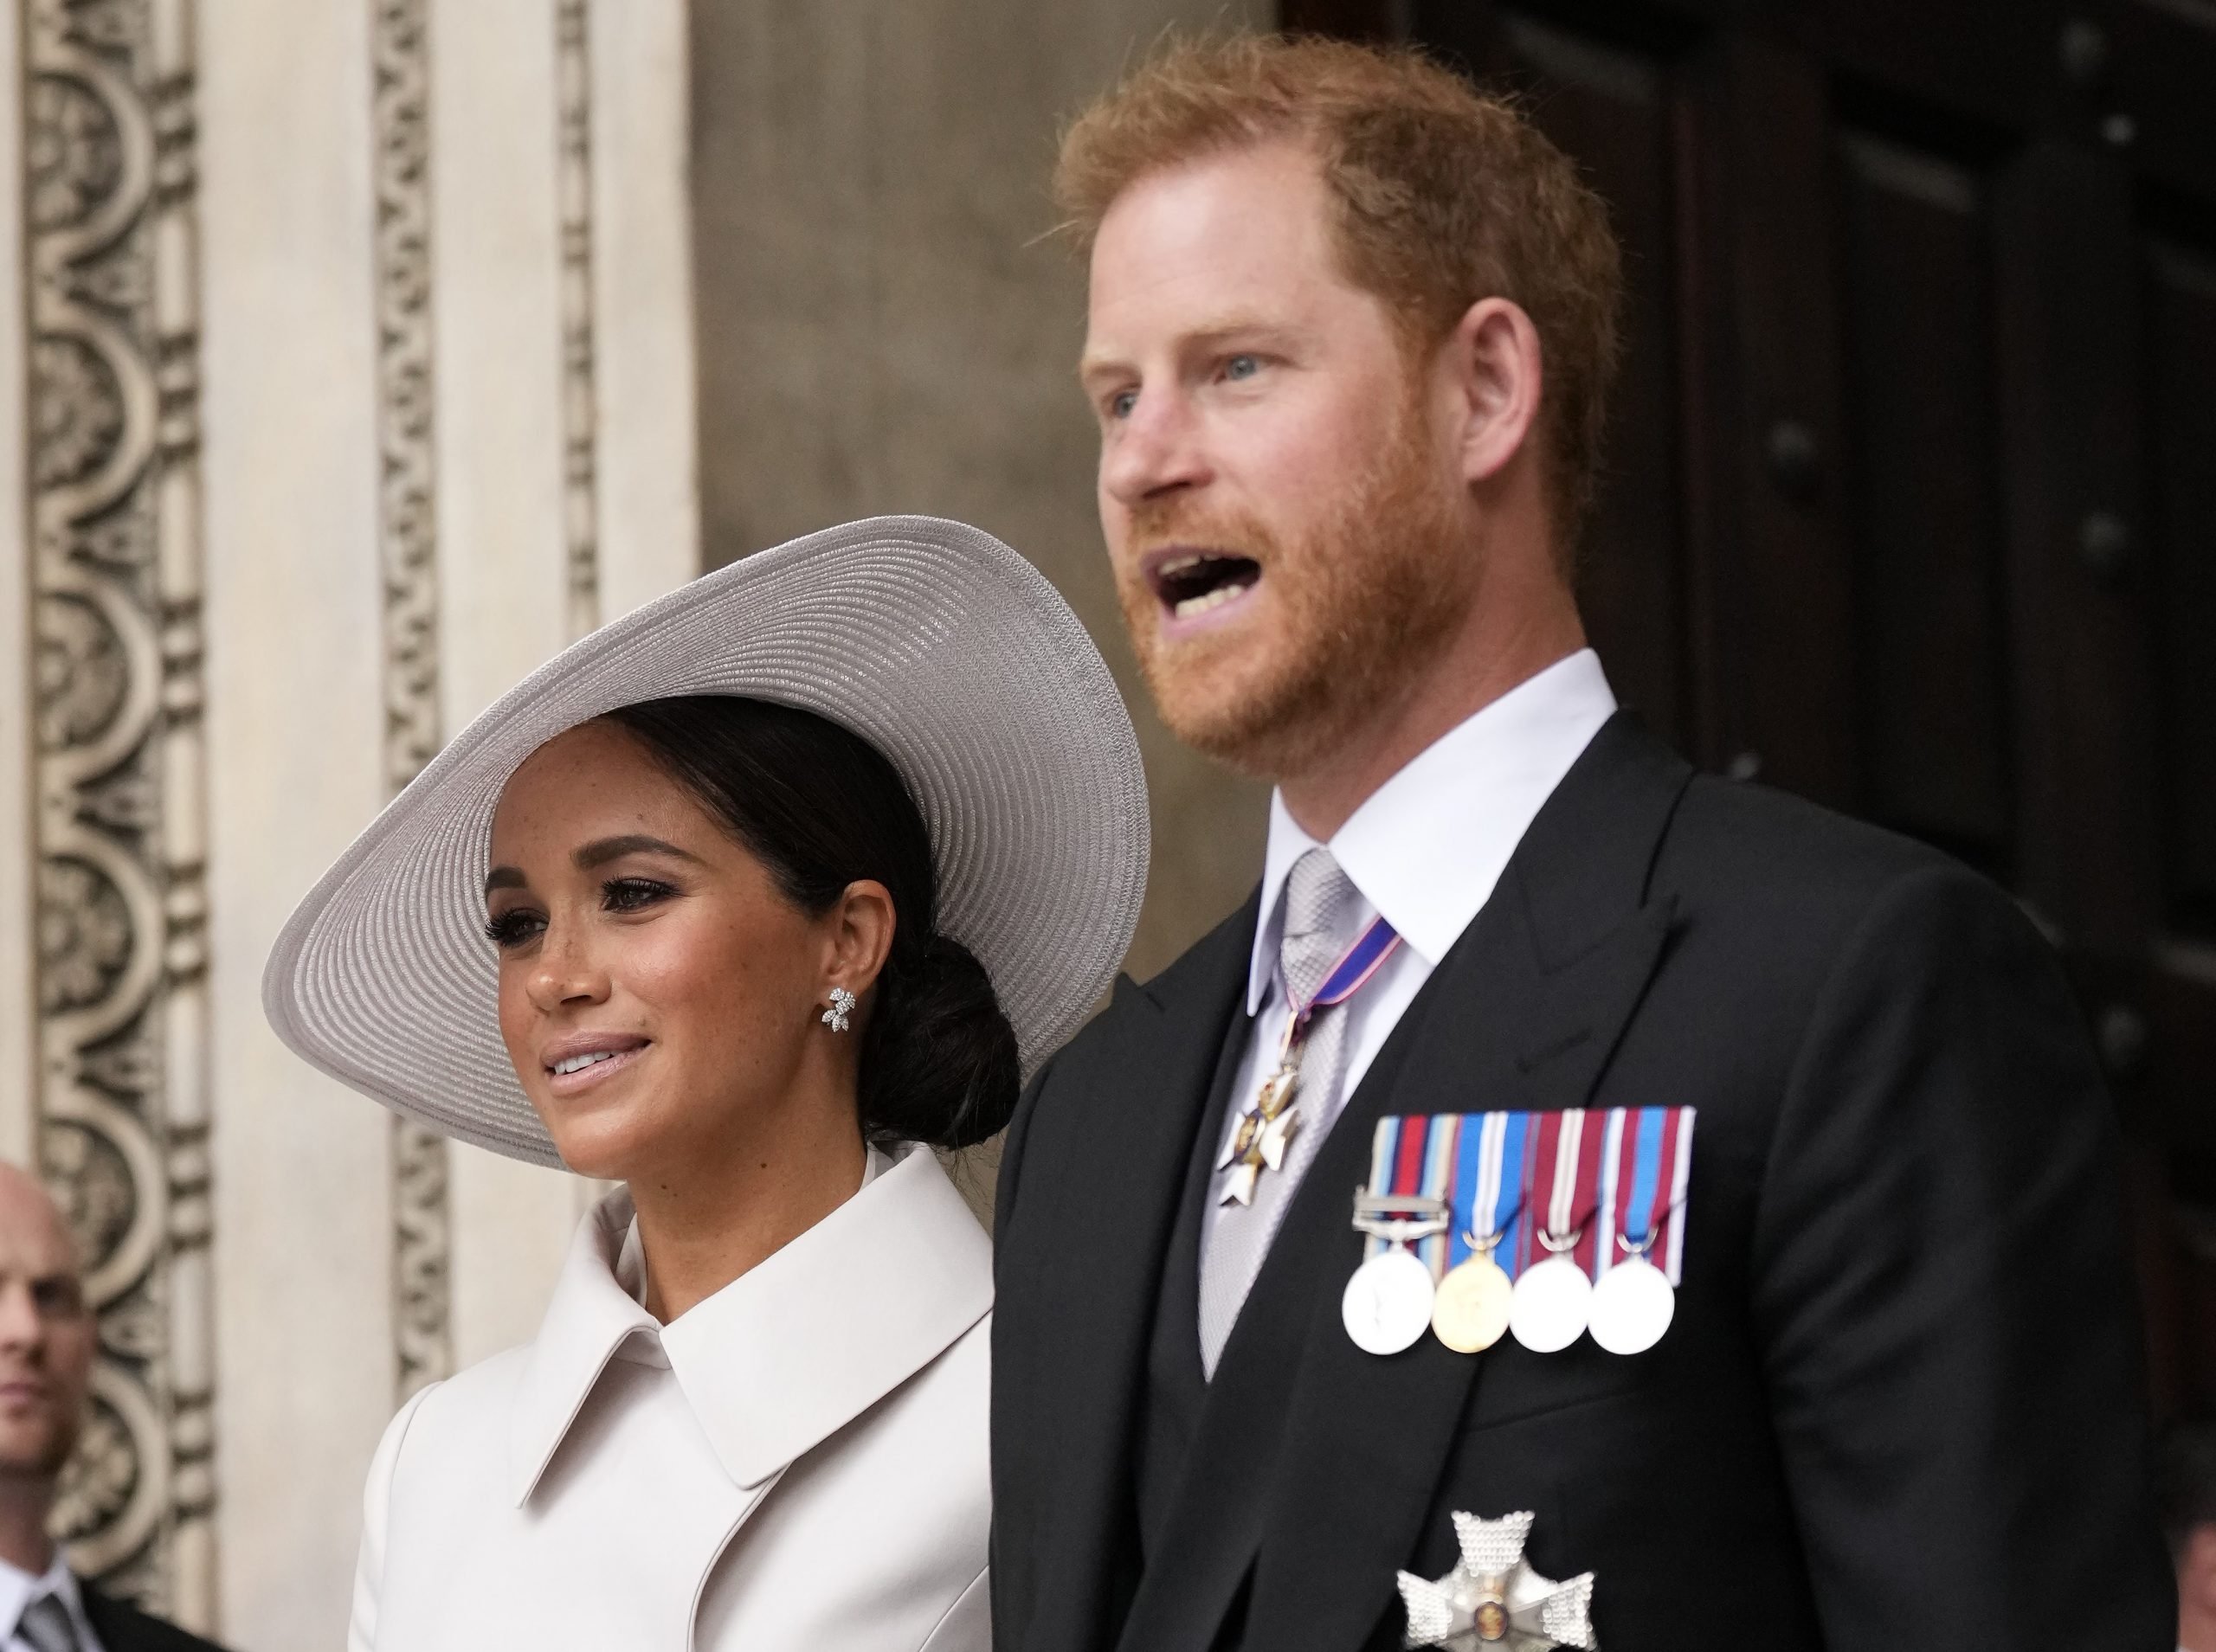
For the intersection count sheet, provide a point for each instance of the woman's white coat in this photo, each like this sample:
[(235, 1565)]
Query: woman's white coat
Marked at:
[(797, 1463)]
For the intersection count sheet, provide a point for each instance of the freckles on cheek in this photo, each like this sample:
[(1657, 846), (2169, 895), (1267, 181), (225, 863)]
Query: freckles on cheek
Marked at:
[(706, 975)]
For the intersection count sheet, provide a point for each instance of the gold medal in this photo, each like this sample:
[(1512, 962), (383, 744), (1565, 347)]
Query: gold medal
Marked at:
[(1470, 1313)]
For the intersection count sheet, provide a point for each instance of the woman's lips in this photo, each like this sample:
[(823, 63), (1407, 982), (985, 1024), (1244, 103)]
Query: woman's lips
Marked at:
[(605, 1064)]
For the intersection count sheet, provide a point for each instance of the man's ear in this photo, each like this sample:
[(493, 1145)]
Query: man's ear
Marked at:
[(1498, 372)]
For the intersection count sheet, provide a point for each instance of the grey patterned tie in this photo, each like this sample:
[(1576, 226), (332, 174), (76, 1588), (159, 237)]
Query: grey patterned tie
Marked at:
[(45, 1626), (1320, 907)]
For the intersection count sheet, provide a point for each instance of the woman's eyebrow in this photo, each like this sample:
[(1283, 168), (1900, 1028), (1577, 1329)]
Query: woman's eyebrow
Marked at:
[(601, 851), (598, 852)]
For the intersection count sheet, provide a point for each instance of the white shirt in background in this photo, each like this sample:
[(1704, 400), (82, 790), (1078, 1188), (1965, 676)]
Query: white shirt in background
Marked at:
[(18, 1589)]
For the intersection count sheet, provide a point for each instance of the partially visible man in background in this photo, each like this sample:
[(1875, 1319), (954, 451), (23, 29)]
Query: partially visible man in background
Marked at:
[(2189, 1493), (48, 1337)]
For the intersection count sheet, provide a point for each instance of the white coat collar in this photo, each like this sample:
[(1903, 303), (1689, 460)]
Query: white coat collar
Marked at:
[(786, 1354)]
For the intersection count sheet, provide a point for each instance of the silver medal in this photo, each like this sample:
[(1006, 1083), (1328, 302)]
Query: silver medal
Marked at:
[(1549, 1309), (1632, 1307), (1386, 1307)]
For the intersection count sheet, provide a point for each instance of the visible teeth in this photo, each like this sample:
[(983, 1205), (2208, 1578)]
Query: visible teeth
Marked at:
[(1181, 565), (578, 1063), (1215, 599)]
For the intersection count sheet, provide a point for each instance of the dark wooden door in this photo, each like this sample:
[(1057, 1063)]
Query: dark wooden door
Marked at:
[(1912, 494)]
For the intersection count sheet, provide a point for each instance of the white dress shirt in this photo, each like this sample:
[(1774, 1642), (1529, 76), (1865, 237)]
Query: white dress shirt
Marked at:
[(797, 1463), (1425, 849), (18, 1589)]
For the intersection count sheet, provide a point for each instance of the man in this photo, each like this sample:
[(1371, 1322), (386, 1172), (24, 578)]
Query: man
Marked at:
[(48, 1338), (2189, 1504), (1350, 335)]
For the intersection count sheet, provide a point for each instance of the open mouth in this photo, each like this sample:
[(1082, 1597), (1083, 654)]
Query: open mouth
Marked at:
[(1191, 583), (578, 1063), (588, 1062)]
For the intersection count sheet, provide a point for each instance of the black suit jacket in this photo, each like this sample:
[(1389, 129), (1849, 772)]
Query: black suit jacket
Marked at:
[(126, 1628), (1899, 1407)]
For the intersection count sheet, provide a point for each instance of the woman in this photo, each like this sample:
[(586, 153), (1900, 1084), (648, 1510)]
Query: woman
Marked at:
[(745, 902)]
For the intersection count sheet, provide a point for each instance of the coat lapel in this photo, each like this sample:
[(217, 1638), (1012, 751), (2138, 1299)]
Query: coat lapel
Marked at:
[(1115, 1153), (1316, 1461)]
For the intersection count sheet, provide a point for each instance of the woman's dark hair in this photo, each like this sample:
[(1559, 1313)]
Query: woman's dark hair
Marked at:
[(821, 807)]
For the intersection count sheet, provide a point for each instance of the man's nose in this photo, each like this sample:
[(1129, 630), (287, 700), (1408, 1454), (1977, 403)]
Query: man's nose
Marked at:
[(1153, 450), (23, 1328)]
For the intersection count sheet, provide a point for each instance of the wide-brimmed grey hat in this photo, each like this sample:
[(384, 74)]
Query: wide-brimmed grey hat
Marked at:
[(933, 641)]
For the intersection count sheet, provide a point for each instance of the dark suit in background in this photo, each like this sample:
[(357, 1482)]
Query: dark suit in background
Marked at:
[(124, 1627), (1899, 1407)]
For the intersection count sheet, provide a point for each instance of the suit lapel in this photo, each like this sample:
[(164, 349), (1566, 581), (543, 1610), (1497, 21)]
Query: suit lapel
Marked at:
[(1127, 1116), (1316, 1462)]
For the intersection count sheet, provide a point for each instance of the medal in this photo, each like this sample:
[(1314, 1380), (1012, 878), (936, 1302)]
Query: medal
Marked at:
[(1471, 1314), (1547, 1311), (1258, 1141), (1493, 1597), (1387, 1303), (1633, 1306), (1470, 1311), (1633, 1301), (1266, 1128), (1551, 1304)]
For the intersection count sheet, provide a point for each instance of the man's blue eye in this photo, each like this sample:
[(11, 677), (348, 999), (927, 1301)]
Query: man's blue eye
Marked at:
[(1120, 404), (1242, 367)]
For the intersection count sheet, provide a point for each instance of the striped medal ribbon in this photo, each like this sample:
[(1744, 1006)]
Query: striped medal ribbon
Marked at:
[(1633, 1300), (1266, 1128), (1555, 1222)]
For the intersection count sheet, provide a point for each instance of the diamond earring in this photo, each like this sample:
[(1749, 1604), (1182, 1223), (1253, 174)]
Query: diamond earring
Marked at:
[(842, 1004)]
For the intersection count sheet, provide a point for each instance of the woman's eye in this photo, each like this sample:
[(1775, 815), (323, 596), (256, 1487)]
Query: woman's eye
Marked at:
[(514, 926), (629, 894)]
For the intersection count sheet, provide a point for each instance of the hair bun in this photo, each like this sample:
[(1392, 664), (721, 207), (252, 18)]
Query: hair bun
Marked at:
[(939, 1063)]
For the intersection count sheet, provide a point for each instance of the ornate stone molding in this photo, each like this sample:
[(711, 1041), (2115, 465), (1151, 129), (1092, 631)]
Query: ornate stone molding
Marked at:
[(580, 395), (407, 529), (114, 567)]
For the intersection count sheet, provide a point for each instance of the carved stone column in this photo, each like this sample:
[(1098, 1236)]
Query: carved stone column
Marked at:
[(112, 400)]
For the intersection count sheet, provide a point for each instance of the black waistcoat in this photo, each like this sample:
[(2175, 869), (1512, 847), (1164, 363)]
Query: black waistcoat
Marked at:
[(1175, 1387)]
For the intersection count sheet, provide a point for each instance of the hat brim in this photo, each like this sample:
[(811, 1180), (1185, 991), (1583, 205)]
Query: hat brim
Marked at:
[(932, 640)]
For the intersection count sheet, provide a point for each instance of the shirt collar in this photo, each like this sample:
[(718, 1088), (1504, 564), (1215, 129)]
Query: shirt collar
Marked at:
[(790, 1351), (18, 1588), (1425, 848)]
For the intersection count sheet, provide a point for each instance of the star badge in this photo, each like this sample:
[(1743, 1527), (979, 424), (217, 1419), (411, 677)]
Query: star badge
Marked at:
[(1493, 1597)]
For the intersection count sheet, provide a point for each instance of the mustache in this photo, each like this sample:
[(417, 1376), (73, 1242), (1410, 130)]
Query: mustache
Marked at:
[(1156, 523)]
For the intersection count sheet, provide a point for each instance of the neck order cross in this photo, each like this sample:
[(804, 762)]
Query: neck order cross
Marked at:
[(1266, 1126)]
